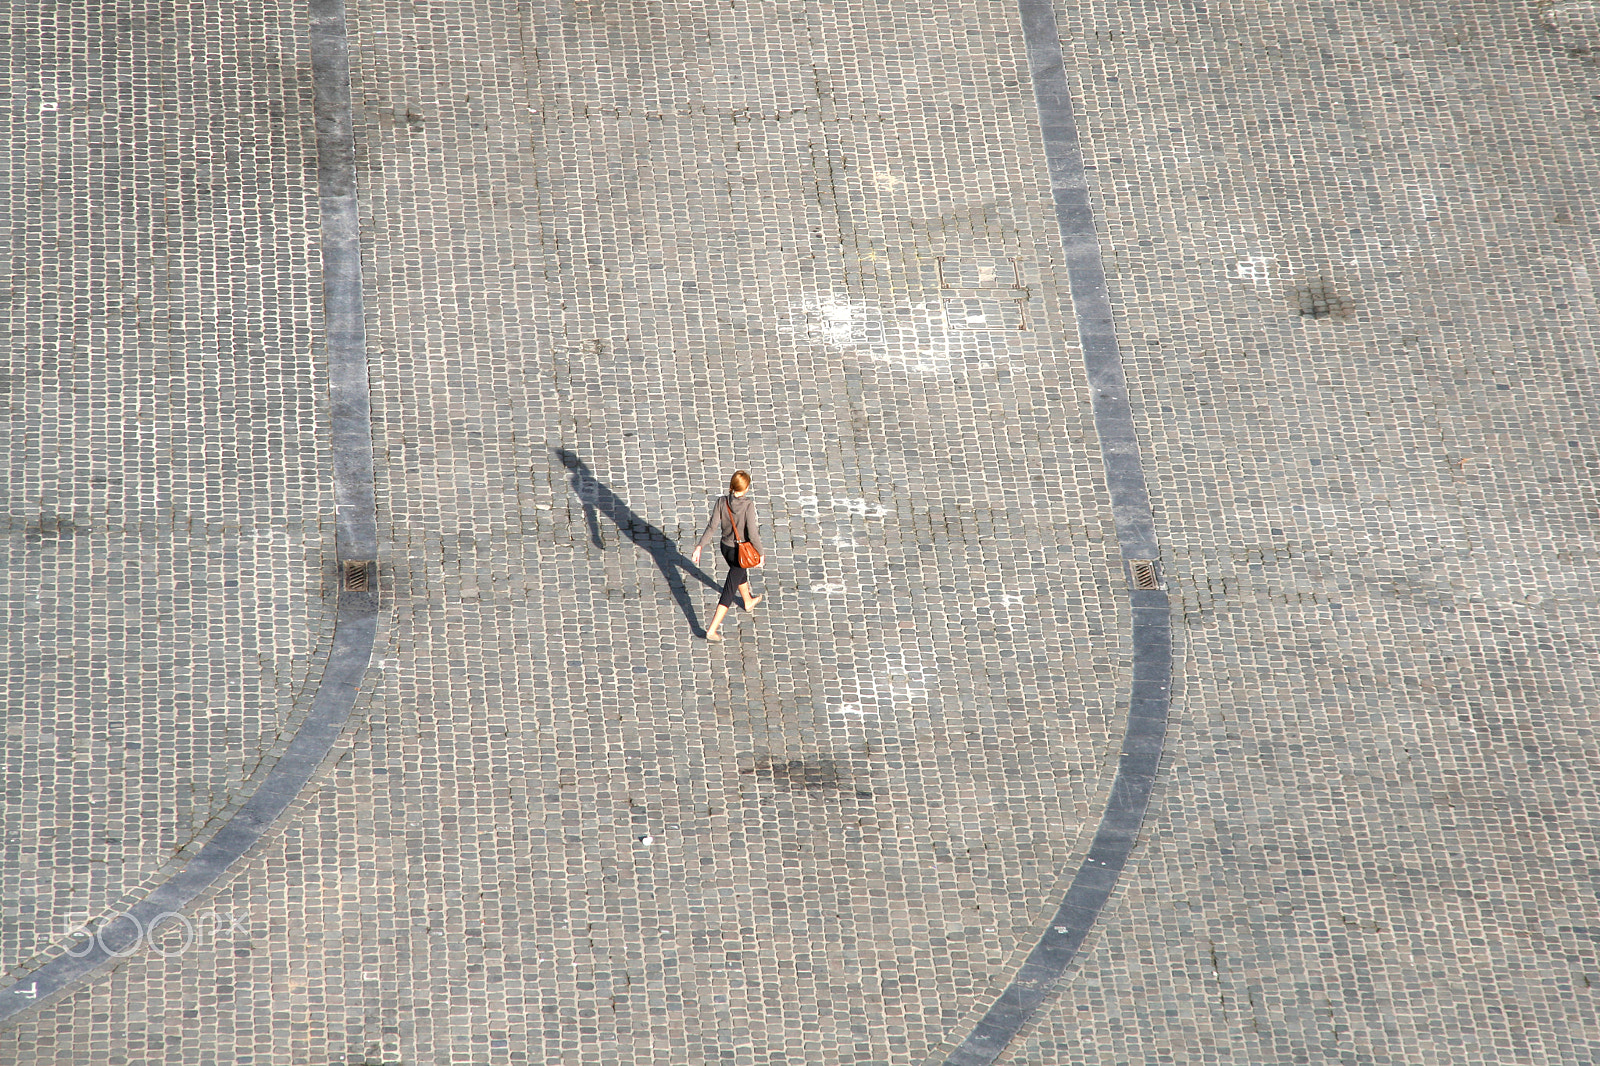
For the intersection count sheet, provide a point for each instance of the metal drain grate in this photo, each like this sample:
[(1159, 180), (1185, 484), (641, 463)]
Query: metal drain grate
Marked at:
[(1143, 573), (358, 575), (1317, 298)]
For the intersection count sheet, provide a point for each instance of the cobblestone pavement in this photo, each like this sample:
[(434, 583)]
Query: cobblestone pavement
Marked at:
[(1377, 841), (616, 250), (166, 500)]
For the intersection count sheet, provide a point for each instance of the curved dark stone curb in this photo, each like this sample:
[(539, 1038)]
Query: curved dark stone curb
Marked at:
[(355, 624), (1150, 699)]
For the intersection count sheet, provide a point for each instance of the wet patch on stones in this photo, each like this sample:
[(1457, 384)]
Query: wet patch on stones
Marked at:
[(1320, 298), (816, 774), (52, 528)]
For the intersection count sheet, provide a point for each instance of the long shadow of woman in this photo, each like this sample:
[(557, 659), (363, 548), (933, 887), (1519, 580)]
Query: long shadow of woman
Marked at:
[(598, 499)]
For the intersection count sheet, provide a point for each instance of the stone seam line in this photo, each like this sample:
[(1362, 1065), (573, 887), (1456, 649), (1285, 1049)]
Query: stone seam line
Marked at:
[(1150, 697), (355, 625)]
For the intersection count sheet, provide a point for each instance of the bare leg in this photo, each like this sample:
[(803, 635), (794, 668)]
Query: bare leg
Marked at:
[(749, 600), (716, 623)]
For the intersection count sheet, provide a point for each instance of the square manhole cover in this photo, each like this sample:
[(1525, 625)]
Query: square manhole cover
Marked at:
[(979, 274), (984, 312)]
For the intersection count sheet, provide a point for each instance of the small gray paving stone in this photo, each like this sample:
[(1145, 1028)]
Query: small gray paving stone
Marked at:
[(673, 241)]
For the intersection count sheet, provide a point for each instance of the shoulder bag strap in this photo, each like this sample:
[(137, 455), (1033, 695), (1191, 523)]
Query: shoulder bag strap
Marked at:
[(732, 521)]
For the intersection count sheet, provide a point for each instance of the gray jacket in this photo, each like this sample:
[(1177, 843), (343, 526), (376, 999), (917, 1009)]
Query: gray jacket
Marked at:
[(744, 511)]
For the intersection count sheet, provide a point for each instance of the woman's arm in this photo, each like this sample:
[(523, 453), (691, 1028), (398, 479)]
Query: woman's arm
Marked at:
[(712, 526)]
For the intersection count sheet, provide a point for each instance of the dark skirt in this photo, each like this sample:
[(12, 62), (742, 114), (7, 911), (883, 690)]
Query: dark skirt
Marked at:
[(737, 575)]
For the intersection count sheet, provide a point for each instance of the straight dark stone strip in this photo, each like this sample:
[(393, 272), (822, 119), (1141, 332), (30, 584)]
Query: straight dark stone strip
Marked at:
[(1137, 540), (1073, 206), (1097, 334), (1107, 373), (1117, 429), (356, 619), (1121, 457), (1087, 274), (1106, 860), (1079, 247), (1149, 703), (1125, 467), (1140, 540), (1135, 773), (1076, 216), (1144, 727), (1126, 808), (1093, 303), (1089, 898), (1113, 840), (1151, 671), (1145, 743), (1152, 690), (1127, 491), (1150, 648), (1075, 917), (1153, 654), (1097, 877), (1117, 825)]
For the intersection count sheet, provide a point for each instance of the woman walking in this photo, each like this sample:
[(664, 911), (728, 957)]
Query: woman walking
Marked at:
[(735, 516)]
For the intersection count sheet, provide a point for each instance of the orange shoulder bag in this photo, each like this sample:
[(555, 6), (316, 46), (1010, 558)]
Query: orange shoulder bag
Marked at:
[(748, 555)]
